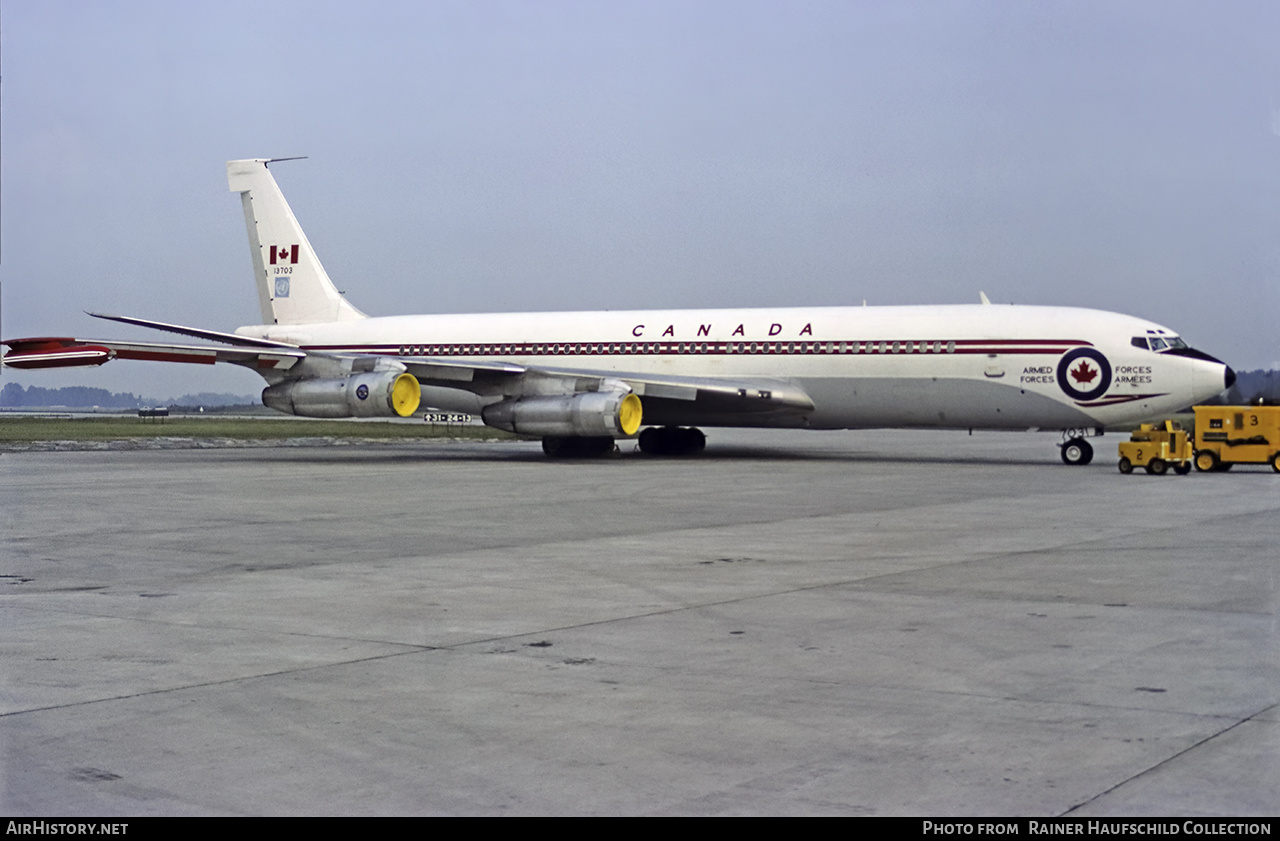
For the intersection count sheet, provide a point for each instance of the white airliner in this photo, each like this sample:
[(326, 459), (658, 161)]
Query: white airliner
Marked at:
[(580, 380)]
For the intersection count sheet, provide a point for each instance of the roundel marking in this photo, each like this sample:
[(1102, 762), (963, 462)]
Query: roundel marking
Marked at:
[(1084, 374), (362, 391)]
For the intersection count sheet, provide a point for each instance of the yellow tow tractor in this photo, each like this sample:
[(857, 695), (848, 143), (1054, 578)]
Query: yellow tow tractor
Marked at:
[(1157, 447), (1227, 435)]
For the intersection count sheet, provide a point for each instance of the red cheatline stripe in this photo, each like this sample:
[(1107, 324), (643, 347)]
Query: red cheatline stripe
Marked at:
[(1072, 342), (735, 348), (1116, 400), (167, 356)]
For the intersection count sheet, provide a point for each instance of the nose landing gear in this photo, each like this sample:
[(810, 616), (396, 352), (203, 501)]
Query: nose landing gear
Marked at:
[(1077, 451)]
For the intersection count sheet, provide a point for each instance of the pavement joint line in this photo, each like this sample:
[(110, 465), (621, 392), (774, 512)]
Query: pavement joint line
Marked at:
[(851, 583), (1169, 759), (987, 546), (208, 683), (1155, 528), (414, 648), (1030, 702), (455, 647), (209, 627)]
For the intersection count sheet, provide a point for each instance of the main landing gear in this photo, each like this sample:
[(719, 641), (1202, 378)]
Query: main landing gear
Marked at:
[(1077, 451), (672, 441), (577, 446), (654, 441)]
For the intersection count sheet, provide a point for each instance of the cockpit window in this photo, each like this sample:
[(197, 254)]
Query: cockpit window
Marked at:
[(1158, 343)]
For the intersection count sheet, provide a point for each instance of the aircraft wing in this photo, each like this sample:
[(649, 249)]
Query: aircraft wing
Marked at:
[(64, 352), (194, 332), (672, 399), (251, 352), (667, 399)]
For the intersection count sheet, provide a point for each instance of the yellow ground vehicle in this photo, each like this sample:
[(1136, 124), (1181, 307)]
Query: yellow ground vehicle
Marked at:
[(1227, 435), (1157, 447)]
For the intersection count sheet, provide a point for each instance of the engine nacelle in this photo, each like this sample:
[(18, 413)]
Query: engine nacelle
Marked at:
[(615, 414), (384, 394)]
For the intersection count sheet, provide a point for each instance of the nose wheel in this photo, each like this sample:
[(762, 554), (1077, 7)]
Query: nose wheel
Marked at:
[(1077, 451)]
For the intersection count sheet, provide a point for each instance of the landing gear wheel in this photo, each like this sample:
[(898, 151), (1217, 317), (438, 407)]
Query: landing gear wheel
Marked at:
[(576, 447), (1182, 468), (597, 446), (651, 441), (1077, 451), (1157, 467), (1126, 466), (1206, 460), (672, 441)]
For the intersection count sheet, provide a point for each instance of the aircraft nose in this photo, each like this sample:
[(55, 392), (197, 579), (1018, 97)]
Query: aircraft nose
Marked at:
[(1228, 375)]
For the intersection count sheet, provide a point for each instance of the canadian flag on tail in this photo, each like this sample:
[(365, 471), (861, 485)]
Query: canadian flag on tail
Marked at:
[(283, 254)]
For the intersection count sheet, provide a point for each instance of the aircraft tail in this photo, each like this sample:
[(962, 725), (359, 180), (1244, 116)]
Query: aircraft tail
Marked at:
[(293, 287)]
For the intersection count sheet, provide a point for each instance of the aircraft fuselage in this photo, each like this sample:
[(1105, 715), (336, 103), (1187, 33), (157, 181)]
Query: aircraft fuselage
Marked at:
[(961, 366)]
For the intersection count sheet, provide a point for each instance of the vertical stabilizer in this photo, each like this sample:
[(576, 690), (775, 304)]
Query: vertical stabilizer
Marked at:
[(292, 285)]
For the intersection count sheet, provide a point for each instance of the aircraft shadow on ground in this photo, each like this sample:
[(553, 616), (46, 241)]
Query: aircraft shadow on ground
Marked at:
[(485, 453)]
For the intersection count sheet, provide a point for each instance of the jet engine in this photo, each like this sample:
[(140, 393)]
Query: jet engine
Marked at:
[(369, 395), (614, 414)]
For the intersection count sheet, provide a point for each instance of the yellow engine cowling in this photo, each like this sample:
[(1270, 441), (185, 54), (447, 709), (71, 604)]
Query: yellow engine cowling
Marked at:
[(369, 395), (613, 414)]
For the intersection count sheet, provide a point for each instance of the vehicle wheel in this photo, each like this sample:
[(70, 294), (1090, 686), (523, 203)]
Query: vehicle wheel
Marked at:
[(1077, 451), (1182, 468), (1157, 467), (1126, 466), (1275, 462), (1206, 460)]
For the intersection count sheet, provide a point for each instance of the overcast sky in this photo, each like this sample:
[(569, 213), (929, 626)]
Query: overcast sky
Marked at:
[(495, 156)]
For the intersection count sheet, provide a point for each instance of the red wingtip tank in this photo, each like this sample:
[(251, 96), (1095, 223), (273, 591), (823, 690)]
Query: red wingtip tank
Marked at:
[(54, 352)]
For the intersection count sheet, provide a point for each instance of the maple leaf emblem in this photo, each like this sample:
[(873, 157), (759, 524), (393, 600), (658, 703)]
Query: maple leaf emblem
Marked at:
[(1082, 373)]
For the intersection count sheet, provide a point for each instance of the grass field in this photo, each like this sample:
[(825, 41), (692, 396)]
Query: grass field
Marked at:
[(14, 430)]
